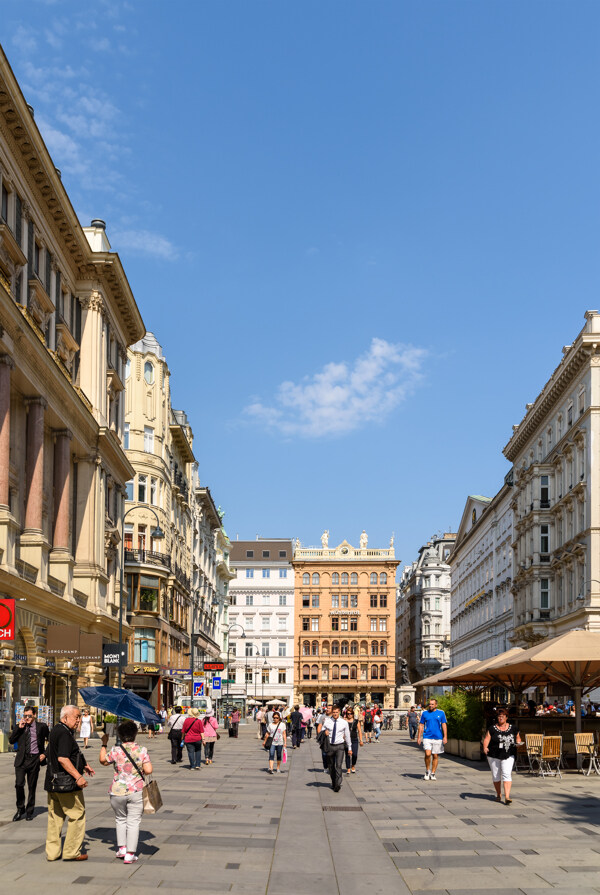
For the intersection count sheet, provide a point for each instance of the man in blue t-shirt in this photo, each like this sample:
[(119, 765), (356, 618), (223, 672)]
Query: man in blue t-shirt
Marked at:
[(433, 733)]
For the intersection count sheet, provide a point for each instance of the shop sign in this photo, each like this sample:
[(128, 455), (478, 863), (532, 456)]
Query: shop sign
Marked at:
[(7, 619), (145, 669), (344, 612), (177, 670), (62, 640), (113, 654), (214, 666), (90, 647), (198, 674)]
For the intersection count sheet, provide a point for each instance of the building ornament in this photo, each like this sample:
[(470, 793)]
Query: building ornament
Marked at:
[(92, 301)]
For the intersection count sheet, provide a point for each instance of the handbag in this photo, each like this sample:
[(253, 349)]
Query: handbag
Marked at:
[(151, 796), (269, 741), (61, 780)]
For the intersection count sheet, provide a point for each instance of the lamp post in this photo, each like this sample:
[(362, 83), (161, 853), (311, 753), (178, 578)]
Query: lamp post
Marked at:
[(234, 625), (262, 678), (158, 534)]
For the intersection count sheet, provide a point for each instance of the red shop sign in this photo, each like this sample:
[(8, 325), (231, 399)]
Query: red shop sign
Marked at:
[(7, 619)]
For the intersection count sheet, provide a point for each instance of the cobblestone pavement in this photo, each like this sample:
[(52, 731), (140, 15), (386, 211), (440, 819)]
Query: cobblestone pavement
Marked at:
[(231, 827)]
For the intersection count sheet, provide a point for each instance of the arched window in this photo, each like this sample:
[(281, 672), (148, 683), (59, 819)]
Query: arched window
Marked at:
[(373, 577), (335, 673), (306, 578), (383, 648), (324, 673), (345, 672), (335, 648), (353, 672), (364, 648), (149, 373), (374, 648), (374, 671), (315, 648), (383, 578), (344, 577), (325, 648), (353, 578), (383, 672), (305, 648), (335, 578), (306, 672), (314, 672), (315, 578), (354, 648), (344, 647)]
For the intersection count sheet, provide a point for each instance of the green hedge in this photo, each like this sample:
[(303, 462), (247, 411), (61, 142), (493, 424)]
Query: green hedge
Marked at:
[(464, 714)]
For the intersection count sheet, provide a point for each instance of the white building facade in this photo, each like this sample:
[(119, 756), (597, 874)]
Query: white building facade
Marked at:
[(262, 608), (556, 462), (481, 573)]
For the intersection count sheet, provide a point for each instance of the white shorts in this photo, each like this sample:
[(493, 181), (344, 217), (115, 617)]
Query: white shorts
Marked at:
[(501, 768), (434, 746)]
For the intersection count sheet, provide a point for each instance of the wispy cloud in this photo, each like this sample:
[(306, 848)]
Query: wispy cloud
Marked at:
[(144, 242), (343, 396), (24, 40)]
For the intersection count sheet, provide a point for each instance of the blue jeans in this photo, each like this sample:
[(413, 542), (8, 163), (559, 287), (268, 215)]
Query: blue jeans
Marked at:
[(273, 750), (194, 751)]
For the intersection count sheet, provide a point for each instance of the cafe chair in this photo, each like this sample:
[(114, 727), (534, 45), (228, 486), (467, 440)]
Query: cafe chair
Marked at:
[(533, 742), (586, 747), (551, 752)]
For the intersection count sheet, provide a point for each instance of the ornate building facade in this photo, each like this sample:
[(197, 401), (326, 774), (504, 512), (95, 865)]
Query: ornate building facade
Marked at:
[(556, 499), (67, 315), (344, 633)]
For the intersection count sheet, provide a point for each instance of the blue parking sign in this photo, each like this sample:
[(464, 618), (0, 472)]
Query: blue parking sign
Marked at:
[(198, 688), (216, 683)]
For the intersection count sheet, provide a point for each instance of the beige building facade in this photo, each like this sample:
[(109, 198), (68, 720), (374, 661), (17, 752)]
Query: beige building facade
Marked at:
[(67, 315), (344, 632)]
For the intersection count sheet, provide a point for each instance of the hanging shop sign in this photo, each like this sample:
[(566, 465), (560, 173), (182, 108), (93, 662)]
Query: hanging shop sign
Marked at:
[(62, 640), (214, 666), (113, 654), (7, 619)]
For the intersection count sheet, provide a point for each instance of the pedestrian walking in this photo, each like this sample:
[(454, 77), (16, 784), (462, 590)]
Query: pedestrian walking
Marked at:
[(377, 720), (275, 740), (321, 740), (175, 726), (87, 727), (31, 736), (500, 745), (413, 722), (368, 725), (296, 723), (261, 722), (433, 733), (309, 727), (210, 736), (65, 782), (338, 742), (235, 722), (193, 731), (131, 763), (356, 738)]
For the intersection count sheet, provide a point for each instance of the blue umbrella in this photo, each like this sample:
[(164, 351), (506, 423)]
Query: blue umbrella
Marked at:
[(120, 702)]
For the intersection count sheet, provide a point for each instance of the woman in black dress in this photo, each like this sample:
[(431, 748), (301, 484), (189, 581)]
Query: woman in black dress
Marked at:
[(355, 726), (500, 745)]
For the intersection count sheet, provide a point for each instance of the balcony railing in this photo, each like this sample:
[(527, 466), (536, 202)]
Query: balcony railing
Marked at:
[(151, 557)]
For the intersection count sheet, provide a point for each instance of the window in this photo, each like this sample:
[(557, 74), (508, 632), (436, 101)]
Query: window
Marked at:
[(335, 647), (127, 369), (248, 622), (426, 629), (141, 537), (383, 600), (314, 648), (248, 675), (283, 573), (232, 599), (149, 439), (544, 593), (345, 672), (315, 601), (383, 578), (335, 673), (266, 554), (249, 554), (335, 601), (148, 593), (264, 648), (315, 578), (354, 648), (305, 601), (437, 602), (144, 645), (314, 624), (345, 647), (374, 648), (354, 601), (282, 650), (373, 599), (126, 437), (129, 489), (344, 624), (314, 672), (335, 578), (282, 599), (128, 536), (266, 573), (149, 373), (153, 491), (306, 578), (306, 672), (383, 624), (281, 676), (249, 573), (373, 577), (544, 492), (266, 599), (353, 578), (281, 623), (344, 577), (142, 488), (4, 210), (373, 624), (374, 671), (282, 554), (581, 402), (305, 648), (354, 624), (249, 649), (306, 624), (249, 600), (570, 415), (335, 624), (382, 672), (383, 648), (265, 623), (344, 601), (544, 539)]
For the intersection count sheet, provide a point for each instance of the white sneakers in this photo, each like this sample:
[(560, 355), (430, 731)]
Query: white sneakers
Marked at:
[(427, 775), (432, 777), (130, 859)]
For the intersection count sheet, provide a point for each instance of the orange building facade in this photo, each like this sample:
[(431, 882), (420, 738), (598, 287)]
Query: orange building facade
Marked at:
[(344, 627)]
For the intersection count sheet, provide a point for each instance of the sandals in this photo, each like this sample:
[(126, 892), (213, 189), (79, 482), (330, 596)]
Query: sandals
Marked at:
[(508, 801), (498, 798)]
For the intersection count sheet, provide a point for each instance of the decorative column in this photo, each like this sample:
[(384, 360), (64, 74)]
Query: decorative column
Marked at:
[(61, 489), (35, 463), (6, 365)]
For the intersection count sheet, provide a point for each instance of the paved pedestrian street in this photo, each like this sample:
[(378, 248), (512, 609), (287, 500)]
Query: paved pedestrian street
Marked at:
[(231, 827)]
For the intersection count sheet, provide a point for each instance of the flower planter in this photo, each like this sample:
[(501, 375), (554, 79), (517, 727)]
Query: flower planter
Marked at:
[(472, 750), (451, 747)]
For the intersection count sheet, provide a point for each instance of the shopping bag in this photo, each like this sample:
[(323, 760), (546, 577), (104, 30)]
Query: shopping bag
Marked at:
[(284, 759), (151, 797)]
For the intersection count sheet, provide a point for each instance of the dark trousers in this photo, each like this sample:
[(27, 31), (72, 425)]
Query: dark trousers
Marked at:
[(209, 750), (309, 732), (28, 771), (325, 759), (263, 729), (412, 729), (194, 751), (175, 736), (351, 759), (335, 757), (296, 736)]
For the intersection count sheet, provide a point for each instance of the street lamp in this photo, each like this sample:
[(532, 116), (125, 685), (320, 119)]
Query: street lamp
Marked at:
[(156, 533), (262, 678), (234, 625)]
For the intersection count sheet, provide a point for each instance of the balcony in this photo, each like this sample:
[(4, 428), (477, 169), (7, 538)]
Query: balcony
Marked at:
[(148, 557)]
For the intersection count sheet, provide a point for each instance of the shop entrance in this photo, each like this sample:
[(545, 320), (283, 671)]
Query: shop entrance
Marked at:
[(310, 699), (342, 698)]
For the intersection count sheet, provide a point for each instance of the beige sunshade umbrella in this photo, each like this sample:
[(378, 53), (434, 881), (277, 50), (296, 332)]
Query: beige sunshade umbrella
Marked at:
[(442, 675), (573, 658)]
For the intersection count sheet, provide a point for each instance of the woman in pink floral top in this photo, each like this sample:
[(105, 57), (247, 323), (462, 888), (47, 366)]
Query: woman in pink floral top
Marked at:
[(126, 788)]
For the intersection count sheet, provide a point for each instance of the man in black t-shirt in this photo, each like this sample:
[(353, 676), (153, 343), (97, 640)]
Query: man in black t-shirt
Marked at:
[(63, 763), (296, 719)]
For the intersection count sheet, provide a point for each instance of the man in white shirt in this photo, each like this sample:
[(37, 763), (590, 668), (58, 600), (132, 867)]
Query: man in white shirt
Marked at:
[(338, 736), (324, 713)]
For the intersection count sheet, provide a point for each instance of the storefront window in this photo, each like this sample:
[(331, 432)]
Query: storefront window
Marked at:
[(144, 649), (148, 593)]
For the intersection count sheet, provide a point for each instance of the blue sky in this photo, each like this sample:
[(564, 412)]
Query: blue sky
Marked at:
[(362, 231)]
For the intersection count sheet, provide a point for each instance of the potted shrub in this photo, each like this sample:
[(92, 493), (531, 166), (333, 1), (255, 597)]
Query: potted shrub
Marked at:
[(110, 724), (465, 717)]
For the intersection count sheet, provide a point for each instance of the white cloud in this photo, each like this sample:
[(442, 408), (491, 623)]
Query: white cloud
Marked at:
[(343, 397), (143, 242), (24, 40)]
